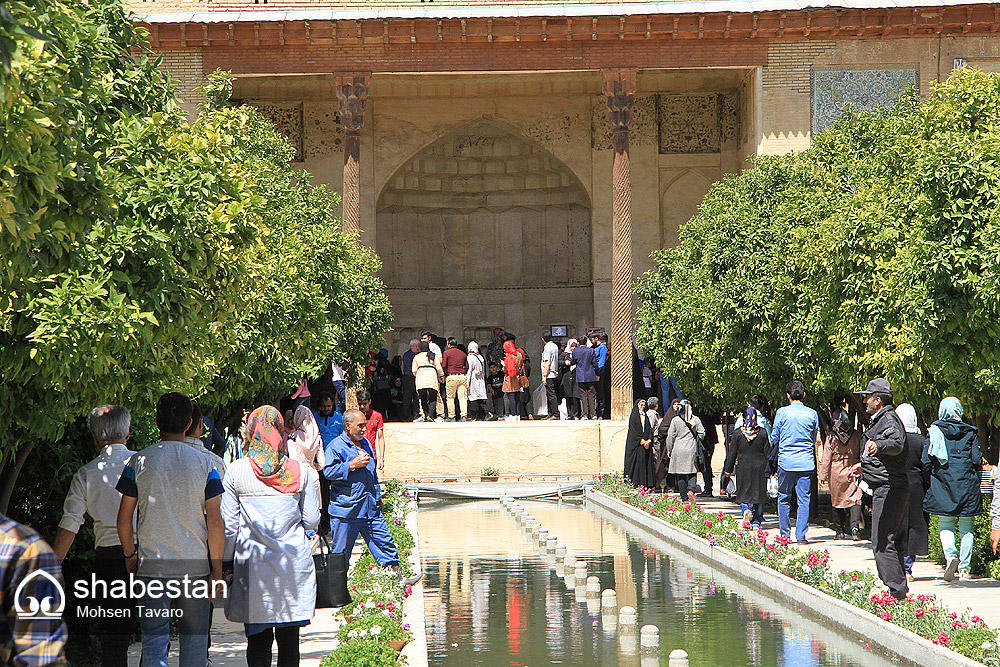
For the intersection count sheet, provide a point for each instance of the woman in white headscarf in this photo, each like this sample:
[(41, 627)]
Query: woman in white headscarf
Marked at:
[(917, 537), (951, 460), (304, 442), (567, 380), (476, 380)]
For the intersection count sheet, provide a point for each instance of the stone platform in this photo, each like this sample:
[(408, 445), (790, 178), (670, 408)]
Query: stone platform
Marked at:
[(460, 450)]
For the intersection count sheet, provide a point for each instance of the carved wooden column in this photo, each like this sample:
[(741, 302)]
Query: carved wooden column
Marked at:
[(619, 91), (352, 91)]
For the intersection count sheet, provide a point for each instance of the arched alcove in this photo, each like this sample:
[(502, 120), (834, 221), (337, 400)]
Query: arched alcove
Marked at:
[(680, 201), (485, 228)]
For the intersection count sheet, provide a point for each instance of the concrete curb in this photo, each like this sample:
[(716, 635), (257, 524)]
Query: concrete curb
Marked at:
[(413, 607), (910, 647)]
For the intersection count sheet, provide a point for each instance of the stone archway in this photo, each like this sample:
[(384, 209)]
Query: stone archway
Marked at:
[(484, 228)]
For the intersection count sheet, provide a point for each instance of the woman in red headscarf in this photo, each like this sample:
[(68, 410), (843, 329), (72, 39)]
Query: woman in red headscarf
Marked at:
[(513, 375)]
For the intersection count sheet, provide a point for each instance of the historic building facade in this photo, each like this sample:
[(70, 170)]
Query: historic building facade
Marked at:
[(516, 165)]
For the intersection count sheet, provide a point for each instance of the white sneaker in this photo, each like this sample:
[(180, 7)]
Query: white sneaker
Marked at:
[(418, 420), (747, 516), (965, 575), (439, 419), (949, 570)]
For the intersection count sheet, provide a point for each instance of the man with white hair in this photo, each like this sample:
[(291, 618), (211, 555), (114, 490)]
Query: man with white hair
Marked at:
[(93, 492), (411, 405)]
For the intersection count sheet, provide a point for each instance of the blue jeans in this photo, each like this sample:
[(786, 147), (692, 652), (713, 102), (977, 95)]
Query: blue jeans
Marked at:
[(344, 532), (797, 482), (193, 617), (908, 562), (338, 386), (964, 524), (758, 512)]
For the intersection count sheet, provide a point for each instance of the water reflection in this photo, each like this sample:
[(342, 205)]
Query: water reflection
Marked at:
[(493, 597)]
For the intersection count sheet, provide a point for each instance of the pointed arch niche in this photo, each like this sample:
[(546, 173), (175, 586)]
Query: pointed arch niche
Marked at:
[(484, 228)]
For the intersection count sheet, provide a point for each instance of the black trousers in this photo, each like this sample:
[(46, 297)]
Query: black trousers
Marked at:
[(115, 633), (428, 401), (498, 404), (259, 647), (477, 409), (411, 404), (845, 519), (686, 483), (890, 528), (551, 397), (572, 407), (604, 392), (706, 467), (324, 505)]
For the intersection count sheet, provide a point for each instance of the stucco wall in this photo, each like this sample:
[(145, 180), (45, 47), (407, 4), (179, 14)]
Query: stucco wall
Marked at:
[(455, 449)]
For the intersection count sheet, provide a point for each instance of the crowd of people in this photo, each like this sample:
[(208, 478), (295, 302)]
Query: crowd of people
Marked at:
[(176, 528), (443, 379), (881, 459)]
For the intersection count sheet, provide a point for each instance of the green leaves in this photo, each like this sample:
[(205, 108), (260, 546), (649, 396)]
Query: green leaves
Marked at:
[(872, 253)]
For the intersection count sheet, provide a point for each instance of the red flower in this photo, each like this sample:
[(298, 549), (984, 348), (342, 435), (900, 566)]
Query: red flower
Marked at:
[(708, 523), (943, 639), (919, 613), (719, 515), (886, 616)]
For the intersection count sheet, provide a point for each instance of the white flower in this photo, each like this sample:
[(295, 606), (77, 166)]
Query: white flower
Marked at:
[(806, 569), (986, 646), (375, 630), (352, 634)]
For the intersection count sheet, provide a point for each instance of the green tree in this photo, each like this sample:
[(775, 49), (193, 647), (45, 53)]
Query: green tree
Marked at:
[(871, 253)]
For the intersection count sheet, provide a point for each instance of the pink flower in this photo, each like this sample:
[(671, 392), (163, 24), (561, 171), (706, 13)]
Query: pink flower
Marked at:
[(886, 616), (390, 605), (919, 612), (399, 522), (380, 604), (371, 566), (711, 539), (408, 591), (687, 507), (708, 523), (719, 515), (943, 639), (406, 626)]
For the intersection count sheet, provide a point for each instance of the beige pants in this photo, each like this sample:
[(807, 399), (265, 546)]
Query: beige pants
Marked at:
[(456, 384)]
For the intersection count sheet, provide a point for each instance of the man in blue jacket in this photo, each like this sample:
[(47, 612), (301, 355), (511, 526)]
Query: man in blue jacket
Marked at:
[(355, 498), (794, 434)]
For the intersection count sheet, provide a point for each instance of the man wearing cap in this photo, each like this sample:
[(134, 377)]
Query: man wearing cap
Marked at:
[(883, 468)]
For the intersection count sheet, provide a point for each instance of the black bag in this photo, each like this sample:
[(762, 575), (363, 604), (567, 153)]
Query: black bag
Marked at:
[(331, 578), (699, 448)]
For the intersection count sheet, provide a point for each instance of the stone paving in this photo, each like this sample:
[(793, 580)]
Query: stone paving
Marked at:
[(980, 595)]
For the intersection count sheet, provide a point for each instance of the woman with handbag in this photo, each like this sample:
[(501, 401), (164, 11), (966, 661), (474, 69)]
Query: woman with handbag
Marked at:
[(748, 458), (683, 447), (513, 377), (268, 504)]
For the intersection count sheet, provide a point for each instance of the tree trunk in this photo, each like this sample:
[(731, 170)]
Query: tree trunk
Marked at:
[(7, 488)]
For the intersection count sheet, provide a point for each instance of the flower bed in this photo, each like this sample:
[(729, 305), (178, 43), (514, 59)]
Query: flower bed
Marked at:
[(374, 620), (921, 614)]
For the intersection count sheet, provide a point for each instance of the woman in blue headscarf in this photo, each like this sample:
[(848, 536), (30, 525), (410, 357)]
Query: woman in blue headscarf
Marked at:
[(951, 459)]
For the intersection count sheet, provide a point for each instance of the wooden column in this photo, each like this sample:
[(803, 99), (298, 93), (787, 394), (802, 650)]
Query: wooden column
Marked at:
[(619, 91), (352, 91)]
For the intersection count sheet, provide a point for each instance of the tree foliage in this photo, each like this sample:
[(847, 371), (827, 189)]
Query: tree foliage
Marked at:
[(142, 252), (872, 253)]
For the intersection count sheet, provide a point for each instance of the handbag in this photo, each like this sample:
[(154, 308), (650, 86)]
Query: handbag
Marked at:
[(699, 448), (331, 577)]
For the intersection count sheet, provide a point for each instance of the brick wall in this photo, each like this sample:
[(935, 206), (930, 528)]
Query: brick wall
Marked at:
[(187, 73)]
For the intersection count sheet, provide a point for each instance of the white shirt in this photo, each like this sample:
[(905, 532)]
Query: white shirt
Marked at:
[(93, 492), (199, 446), (551, 354), (338, 373), (435, 348), (647, 377)]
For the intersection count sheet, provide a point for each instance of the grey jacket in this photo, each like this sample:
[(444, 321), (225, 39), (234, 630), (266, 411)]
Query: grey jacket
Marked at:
[(888, 464)]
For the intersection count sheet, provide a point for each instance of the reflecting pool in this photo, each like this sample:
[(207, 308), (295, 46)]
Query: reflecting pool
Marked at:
[(492, 597)]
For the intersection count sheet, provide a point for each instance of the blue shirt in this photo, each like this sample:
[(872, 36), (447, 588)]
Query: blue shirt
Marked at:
[(329, 427), (794, 434), (354, 494), (602, 355), (407, 362)]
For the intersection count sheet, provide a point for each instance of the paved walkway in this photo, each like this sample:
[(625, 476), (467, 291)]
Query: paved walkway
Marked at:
[(980, 595)]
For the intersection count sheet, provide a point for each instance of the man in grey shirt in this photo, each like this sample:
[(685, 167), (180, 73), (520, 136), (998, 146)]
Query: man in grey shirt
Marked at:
[(179, 539)]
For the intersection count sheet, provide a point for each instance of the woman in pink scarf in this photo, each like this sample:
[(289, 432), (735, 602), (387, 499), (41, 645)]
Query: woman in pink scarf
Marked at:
[(264, 445)]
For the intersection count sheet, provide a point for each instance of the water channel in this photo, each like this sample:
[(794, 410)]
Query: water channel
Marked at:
[(492, 597)]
